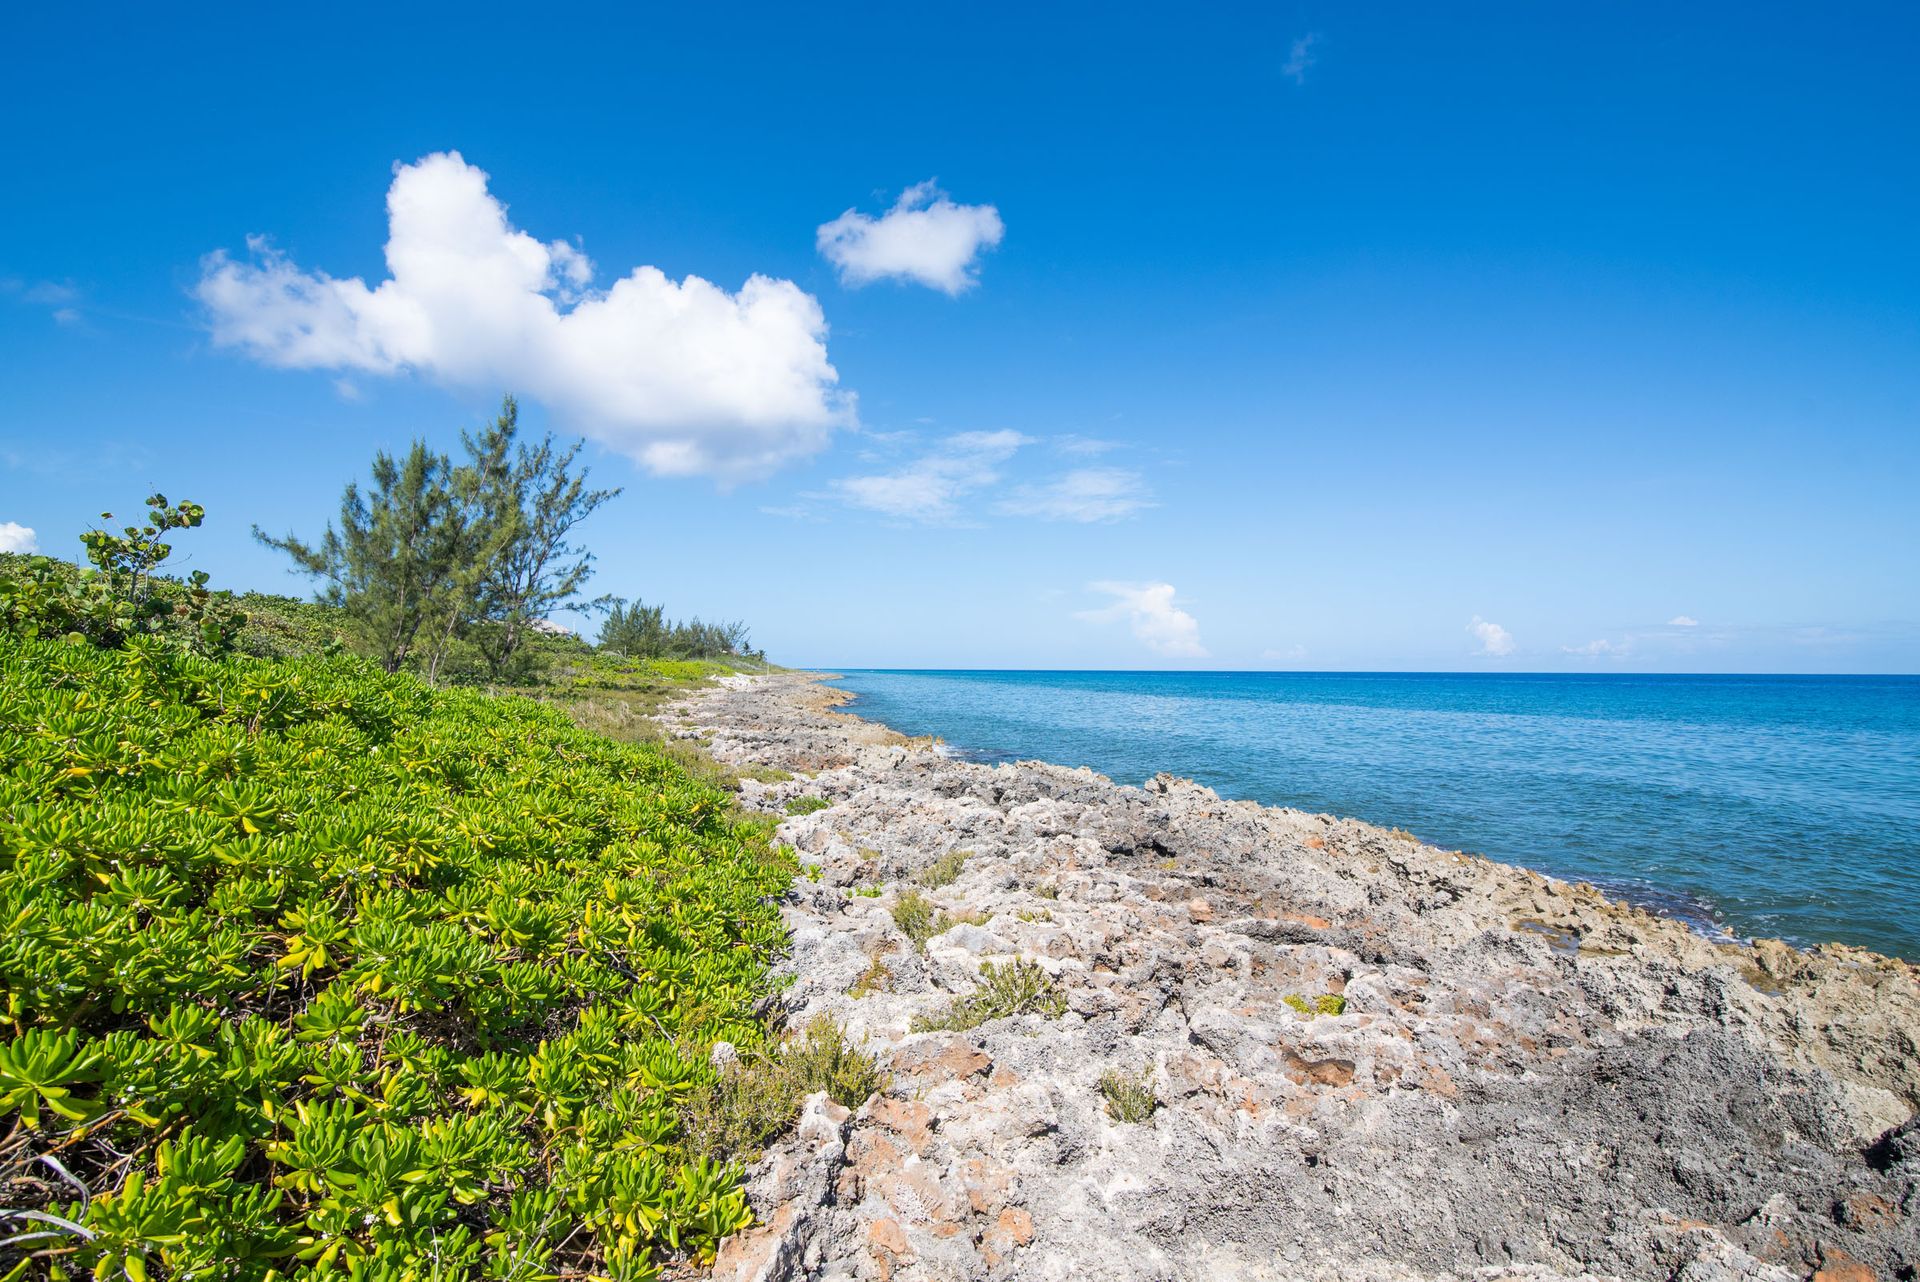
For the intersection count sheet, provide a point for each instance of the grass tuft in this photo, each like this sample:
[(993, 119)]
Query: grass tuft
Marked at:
[(1129, 1098), (807, 805), (755, 1099), (1015, 988), (917, 918), (943, 871)]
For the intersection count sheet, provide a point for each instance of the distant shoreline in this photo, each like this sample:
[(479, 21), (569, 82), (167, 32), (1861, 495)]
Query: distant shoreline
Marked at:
[(1602, 780)]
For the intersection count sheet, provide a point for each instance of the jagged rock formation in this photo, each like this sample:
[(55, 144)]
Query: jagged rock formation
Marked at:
[(1518, 1079)]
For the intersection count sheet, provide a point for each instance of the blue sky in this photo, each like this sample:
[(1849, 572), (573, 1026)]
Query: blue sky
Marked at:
[(1506, 337)]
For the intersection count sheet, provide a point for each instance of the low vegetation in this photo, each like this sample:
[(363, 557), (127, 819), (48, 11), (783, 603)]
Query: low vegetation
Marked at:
[(945, 870), (917, 918), (311, 965), (753, 1099), (807, 805), (1130, 1097), (1324, 1004), (1010, 988)]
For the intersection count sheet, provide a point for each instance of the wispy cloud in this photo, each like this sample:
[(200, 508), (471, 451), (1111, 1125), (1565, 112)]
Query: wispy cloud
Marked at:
[(1149, 611), (1300, 57), (1088, 494), (1495, 641), (793, 512), (15, 537), (1683, 621), (925, 237), (62, 299), (930, 488), (1083, 446), (683, 376), (1600, 649)]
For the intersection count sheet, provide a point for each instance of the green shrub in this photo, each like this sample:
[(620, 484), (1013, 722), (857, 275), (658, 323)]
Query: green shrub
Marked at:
[(1014, 988), (1129, 1098), (807, 805), (363, 976), (943, 871), (122, 594), (917, 918), (753, 1100), (822, 1059)]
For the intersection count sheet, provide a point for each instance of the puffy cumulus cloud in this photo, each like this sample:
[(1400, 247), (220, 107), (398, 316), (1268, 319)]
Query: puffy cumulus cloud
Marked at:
[(1495, 641), (1683, 621), (683, 376), (1148, 609), (925, 237), (15, 537), (1085, 494), (930, 488)]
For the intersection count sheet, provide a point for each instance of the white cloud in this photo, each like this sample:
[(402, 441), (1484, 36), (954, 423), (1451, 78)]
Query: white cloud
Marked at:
[(929, 489), (1085, 494), (1300, 57), (1601, 649), (61, 299), (925, 237), (683, 376), (1149, 610), (1084, 446), (1683, 621), (15, 537), (1495, 641)]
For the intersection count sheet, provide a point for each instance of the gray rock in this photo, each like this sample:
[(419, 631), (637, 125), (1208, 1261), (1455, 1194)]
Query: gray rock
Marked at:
[(1523, 1079)]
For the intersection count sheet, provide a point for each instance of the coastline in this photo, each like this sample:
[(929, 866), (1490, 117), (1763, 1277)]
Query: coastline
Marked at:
[(1370, 1057)]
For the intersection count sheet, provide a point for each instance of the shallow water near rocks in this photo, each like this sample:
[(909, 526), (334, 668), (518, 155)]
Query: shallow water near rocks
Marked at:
[(1784, 806)]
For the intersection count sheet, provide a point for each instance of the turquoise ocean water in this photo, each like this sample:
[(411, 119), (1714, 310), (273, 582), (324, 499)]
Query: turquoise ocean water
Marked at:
[(1753, 805)]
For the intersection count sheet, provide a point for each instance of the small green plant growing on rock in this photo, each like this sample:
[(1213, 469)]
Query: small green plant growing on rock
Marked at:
[(1324, 1004), (1036, 914), (869, 892), (917, 918), (876, 978), (1130, 1098), (1047, 890), (1015, 988), (821, 1058), (807, 805), (943, 871)]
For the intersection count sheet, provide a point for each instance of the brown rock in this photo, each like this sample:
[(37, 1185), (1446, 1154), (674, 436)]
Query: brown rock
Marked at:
[(1867, 1210), (1319, 1072), (1012, 1230), (911, 1120), (1837, 1266), (956, 1059), (888, 1236), (1199, 910)]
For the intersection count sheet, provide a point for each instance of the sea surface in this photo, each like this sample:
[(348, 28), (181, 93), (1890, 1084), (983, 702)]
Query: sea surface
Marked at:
[(1748, 805)]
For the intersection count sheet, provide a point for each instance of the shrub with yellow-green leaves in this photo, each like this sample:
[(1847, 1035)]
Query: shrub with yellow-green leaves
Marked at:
[(306, 969)]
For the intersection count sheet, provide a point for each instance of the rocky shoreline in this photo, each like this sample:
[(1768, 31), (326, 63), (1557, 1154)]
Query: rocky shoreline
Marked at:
[(1367, 1058)]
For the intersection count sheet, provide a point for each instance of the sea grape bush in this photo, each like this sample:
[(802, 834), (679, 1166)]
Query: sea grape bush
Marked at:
[(309, 969), (121, 595)]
